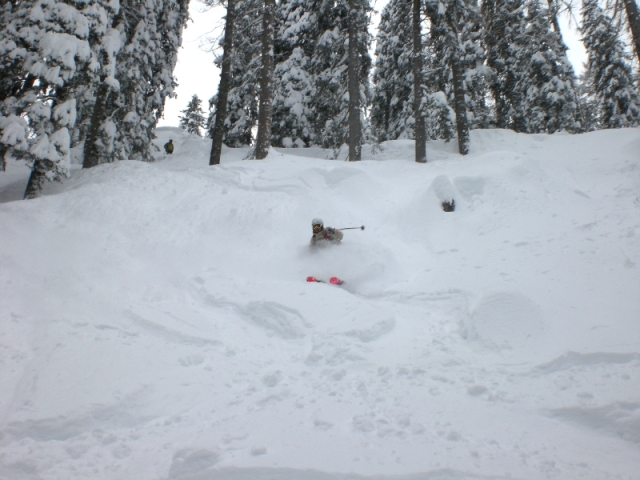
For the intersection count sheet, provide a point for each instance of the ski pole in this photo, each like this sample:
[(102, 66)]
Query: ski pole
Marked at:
[(352, 228)]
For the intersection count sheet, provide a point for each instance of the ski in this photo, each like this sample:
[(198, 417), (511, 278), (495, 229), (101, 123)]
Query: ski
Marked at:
[(332, 280)]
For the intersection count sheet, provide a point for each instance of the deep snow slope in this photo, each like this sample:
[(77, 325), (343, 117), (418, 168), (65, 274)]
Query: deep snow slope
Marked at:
[(156, 322)]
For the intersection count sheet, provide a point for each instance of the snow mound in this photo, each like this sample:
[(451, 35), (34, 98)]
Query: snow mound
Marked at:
[(505, 321)]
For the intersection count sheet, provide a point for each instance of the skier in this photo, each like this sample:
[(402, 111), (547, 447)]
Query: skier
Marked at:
[(168, 147), (323, 236)]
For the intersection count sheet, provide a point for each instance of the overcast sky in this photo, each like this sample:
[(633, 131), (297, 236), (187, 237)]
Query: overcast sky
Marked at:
[(196, 73)]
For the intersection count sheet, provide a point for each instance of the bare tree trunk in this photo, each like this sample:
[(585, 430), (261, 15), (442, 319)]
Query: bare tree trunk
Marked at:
[(419, 133), (91, 158), (451, 18), (462, 123), (224, 86), (553, 16), (263, 141), (355, 128), (634, 23), (37, 178)]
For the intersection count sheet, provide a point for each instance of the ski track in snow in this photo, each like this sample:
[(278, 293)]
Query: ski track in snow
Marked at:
[(156, 322)]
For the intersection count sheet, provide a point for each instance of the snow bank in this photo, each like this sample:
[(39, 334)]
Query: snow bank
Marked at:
[(156, 322)]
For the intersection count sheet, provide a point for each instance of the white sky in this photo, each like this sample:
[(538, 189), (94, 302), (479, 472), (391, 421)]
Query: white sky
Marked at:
[(196, 73)]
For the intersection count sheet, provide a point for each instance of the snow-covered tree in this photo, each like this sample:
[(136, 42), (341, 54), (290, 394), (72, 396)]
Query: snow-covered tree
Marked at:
[(474, 63), (193, 119), (392, 101), (145, 73), (93, 100), (507, 47), (392, 112), (49, 49), (587, 104), (329, 66), (616, 96), (292, 114), (309, 95), (549, 83), (439, 116), (296, 35), (446, 23), (242, 100), (126, 113), (534, 84), (96, 71)]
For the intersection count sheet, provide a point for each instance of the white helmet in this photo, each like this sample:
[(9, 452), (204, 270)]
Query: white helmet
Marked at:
[(317, 221)]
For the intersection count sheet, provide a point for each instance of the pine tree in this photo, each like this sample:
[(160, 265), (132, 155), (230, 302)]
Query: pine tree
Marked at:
[(476, 73), (507, 48), (310, 92), (392, 101), (125, 113), (48, 50), (618, 101), (447, 26), (292, 114), (296, 35), (392, 112), (242, 100), (145, 73), (98, 141), (193, 119), (587, 104), (548, 85), (534, 84), (329, 67), (93, 70), (439, 116)]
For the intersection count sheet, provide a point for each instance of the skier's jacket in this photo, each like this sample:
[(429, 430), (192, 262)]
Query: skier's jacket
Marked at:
[(325, 237), (168, 147)]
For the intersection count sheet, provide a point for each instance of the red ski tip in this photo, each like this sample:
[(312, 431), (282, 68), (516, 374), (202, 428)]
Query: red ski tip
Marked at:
[(312, 279), (336, 281)]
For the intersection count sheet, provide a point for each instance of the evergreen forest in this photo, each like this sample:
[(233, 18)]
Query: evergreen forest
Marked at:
[(90, 78)]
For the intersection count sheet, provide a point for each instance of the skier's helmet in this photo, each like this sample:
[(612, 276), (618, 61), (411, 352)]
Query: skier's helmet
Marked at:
[(317, 225)]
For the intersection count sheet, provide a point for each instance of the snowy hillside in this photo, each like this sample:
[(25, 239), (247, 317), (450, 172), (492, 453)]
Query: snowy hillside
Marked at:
[(156, 322)]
